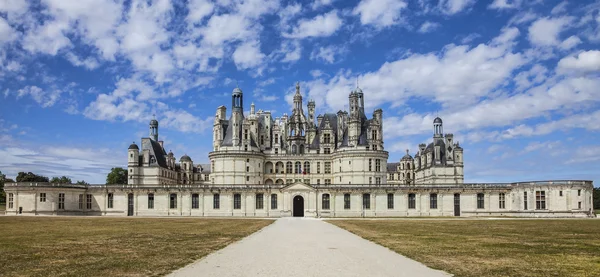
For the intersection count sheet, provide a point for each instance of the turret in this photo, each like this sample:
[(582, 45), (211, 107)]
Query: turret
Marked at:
[(134, 155), (311, 112), (187, 166), (437, 127), (154, 129)]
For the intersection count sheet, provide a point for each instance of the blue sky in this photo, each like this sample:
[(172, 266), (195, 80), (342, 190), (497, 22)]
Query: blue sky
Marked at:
[(515, 81)]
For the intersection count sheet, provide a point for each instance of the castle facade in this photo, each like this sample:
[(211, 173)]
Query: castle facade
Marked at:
[(302, 164)]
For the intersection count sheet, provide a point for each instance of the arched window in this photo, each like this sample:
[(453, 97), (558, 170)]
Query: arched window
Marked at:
[(301, 148), (306, 167), (297, 168), (347, 201), (173, 201), (412, 201), (273, 201), (237, 201), (294, 149), (288, 167), (480, 201), (325, 201), (195, 201)]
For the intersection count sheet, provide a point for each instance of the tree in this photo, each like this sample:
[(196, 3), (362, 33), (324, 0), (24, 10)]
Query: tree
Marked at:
[(2, 193), (61, 180), (596, 198), (117, 175), (82, 182), (30, 177)]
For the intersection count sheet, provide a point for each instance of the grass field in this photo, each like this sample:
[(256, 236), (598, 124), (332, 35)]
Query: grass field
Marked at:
[(51, 246), (491, 247)]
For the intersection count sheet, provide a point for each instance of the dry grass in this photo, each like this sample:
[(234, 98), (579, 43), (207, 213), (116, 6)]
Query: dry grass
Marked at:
[(491, 247), (75, 246)]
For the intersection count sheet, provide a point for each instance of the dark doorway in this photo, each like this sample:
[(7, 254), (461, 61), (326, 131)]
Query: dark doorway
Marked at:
[(456, 204), (299, 206), (130, 204)]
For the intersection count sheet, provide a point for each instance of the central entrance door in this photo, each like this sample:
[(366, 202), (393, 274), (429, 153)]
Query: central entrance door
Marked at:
[(130, 204), (299, 206), (456, 204)]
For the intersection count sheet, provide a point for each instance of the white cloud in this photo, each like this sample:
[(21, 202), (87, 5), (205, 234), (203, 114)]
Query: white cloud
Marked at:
[(505, 4), (570, 42), (321, 3), (48, 38), (327, 54), (454, 6), (320, 26), (379, 13), (428, 26), (315, 73), (560, 8), (584, 62), (292, 51), (545, 31), (198, 10), (89, 63), (7, 34), (45, 98), (248, 55)]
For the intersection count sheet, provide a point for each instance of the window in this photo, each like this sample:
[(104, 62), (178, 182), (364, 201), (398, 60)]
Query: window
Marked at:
[(247, 169), (150, 201), (195, 201), (318, 167), (390, 201), (560, 193), (346, 200), (306, 167), (173, 201), (433, 201), (328, 181), (237, 201), (318, 181), (327, 150), (216, 201), (297, 168), (370, 162), (10, 200), (378, 165), (288, 167), (325, 201), (540, 200), (392, 176), (247, 178), (276, 150), (370, 180), (579, 205), (366, 201), (260, 201), (374, 135), (378, 180), (412, 201), (480, 201), (327, 138), (273, 201), (524, 200), (110, 200), (61, 201), (88, 201), (502, 201), (327, 167), (81, 201), (578, 192)]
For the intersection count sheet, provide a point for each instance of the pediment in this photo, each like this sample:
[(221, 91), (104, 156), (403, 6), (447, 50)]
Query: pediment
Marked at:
[(298, 187)]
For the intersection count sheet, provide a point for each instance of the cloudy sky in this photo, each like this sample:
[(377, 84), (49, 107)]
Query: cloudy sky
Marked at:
[(516, 81)]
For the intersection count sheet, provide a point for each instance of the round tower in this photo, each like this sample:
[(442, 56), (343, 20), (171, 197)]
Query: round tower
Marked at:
[(154, 129)]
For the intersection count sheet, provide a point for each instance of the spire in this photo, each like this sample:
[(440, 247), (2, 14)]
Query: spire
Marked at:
[(297, 88)]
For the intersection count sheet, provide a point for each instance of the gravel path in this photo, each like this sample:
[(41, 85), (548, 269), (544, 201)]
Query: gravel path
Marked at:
[(305, 247)]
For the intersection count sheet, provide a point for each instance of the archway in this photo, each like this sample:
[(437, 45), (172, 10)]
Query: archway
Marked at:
[(298, 206)]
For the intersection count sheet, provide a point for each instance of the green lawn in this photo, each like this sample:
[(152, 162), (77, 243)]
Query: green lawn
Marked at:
[(76, 246), (491, 247), (2, 207)]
